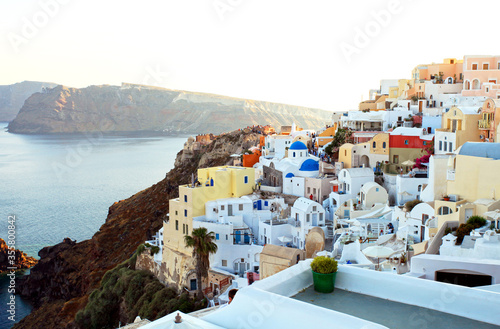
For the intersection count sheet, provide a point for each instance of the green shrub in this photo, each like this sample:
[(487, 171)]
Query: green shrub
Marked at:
[(463, 230), (411, 204), (324, 265), (476, 221)]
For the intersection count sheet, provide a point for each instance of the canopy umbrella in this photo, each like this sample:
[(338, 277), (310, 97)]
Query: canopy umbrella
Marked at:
[(378, 252), (235, 155), (408, 163), (493, 214), (284, 239), (404, 193)]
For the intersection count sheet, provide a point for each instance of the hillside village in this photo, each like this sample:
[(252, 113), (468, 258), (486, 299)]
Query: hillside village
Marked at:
[(414, 170)]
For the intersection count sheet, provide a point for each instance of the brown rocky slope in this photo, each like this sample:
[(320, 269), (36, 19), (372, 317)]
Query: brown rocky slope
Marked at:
[(142, 108), (20, 261), (67, 273)]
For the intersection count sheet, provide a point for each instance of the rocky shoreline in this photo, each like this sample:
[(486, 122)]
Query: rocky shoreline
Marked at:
[(20, 260), (67, 273)]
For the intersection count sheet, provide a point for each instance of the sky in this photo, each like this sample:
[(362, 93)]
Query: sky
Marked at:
[(317, 53)]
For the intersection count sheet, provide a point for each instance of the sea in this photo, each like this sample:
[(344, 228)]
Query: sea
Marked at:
[(61, 185)]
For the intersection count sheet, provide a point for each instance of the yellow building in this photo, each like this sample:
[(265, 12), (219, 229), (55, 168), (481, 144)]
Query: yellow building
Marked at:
[(326, 136), (459, 125), (488, 125), (473, 183), (216, 183), (345, 155), (380, 144)]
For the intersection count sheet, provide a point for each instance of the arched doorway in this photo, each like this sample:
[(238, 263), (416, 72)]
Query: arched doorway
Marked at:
[(365, 161)]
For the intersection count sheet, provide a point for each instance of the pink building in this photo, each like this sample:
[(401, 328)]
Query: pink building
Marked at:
[(481, 76)]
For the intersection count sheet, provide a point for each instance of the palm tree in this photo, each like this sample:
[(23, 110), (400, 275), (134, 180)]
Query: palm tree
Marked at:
[(203, 245)]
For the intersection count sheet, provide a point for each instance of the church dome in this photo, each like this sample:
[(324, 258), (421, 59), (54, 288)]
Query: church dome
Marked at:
[(298, 145), (309, 165)]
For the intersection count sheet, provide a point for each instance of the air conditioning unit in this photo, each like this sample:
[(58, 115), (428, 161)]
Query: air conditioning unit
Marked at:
[(453, 197)]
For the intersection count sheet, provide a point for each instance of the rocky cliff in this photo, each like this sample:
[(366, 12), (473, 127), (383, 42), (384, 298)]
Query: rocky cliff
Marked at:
[(20, 261), (12, 97), (141, 108), (60, 284)]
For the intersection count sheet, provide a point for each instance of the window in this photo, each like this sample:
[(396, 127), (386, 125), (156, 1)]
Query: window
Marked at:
[(246, 179), (227, 237), (486, 66), (308, 218), (406, 142), (314, 208), (345, 152), (176, 213), (308, 190), (419, 188), (222, 207), (444, 210), (425, 142), (240, 207), (224, 263), (264, 231), (450, 146), (383, 145), (376, 189), (462, 75), (320, 217), (314, 190), (445, 146), (187, 229), (266, 203), (474, 66), (294, 154), (441, 104), (183, 228), (498, 66), (185, 213), (374, 144), (487, 89), (440, 145), (176, 225), (216, 236)]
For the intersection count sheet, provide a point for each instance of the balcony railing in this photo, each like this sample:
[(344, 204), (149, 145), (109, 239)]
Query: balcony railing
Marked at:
[(484, 124)]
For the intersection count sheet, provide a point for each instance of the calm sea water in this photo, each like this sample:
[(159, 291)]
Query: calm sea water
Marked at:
[(60, 186)]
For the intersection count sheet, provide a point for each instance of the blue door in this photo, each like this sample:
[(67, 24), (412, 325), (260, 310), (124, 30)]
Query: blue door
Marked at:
[(237, 237), (193, 284), (246, 238), (259, 205)]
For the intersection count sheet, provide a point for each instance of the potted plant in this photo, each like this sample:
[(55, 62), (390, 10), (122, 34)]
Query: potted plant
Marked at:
[(324, 271), (446, 198)]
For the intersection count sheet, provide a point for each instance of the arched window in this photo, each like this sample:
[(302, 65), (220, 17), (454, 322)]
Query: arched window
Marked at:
[(475, 84), (383, 145), (444, 210), (374, 144), (467, 85)]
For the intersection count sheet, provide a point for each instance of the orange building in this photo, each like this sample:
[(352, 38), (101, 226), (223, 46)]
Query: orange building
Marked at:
[(250, 159)]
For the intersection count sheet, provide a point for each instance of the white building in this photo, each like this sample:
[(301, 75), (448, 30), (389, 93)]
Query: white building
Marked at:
[(305, 214), (276, 145), (235, 223), (350, 181)]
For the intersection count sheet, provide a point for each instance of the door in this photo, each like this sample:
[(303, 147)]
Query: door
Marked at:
[(246, 239), (237, 237), (192, 284), (229, 209), (468, 213), (346, 213)]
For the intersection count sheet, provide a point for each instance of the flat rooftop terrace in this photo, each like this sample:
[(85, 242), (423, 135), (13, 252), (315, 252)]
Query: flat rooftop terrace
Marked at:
[(391, 314)]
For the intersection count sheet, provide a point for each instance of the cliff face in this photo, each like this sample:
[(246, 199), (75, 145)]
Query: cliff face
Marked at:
[(22, 261), (140, 108), (12, 97), (67, 273)]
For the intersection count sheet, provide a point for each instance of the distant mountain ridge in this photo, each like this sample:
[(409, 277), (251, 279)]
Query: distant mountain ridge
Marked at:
[(132, 107), (12, 97)]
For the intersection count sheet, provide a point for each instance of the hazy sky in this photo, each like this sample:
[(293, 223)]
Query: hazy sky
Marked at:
[(324, 54)]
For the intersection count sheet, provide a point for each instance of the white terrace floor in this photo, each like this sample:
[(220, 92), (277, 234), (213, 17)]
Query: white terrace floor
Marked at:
[(391, 314)]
